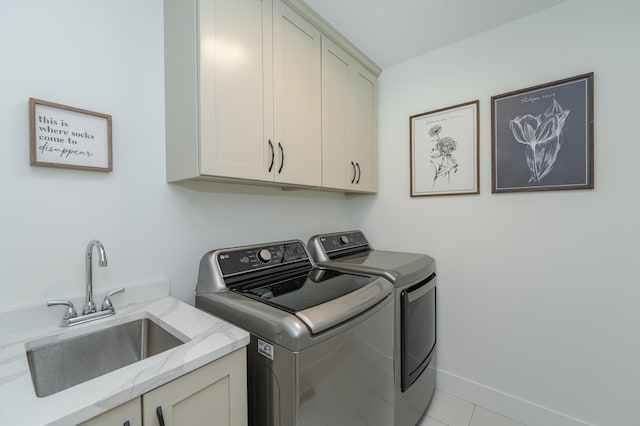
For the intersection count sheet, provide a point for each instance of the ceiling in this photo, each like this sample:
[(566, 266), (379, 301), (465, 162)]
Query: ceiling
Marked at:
[(393, 31)]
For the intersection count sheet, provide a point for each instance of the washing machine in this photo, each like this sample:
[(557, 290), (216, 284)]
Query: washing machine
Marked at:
[(322, 341), (413, 276)]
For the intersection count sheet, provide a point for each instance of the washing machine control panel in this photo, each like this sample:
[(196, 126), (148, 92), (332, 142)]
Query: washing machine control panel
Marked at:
[(252, 258), (264, 255), (343, 241)]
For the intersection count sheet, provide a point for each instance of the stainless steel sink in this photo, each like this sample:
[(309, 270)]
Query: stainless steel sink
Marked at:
[(60, 365)]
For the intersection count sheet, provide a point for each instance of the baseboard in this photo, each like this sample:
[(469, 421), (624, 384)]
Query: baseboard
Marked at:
[(508, 405)]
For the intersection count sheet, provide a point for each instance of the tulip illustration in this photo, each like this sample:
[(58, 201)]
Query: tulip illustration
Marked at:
[(442, 160), (542, 134)]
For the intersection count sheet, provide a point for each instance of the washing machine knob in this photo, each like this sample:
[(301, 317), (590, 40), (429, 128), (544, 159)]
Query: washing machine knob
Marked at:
[(344, 240), (264, 255)]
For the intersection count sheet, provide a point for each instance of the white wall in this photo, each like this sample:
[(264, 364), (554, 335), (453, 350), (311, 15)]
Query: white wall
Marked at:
[(107, 56), (538, 292)]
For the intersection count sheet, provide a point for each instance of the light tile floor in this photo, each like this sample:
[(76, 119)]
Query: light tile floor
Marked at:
[(448, 410)]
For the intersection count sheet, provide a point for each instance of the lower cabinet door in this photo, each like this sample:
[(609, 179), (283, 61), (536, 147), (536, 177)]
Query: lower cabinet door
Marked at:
[(215, 394), (127, 414)]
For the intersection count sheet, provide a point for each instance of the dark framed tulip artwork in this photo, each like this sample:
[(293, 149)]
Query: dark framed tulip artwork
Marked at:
[(542, 137), (444, 151)]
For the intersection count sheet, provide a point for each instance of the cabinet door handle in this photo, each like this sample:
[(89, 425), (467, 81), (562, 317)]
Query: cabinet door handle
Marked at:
[(273, 156), (359, 174), (126, 423), (354, 172), (160, 416), (281, 157)]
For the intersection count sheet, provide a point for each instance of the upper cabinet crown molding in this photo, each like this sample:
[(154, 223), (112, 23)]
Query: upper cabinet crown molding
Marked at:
[(335, 36)]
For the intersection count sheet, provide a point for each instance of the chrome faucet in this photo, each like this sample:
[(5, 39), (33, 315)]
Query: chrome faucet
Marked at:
[(89, 311), (89, 306)]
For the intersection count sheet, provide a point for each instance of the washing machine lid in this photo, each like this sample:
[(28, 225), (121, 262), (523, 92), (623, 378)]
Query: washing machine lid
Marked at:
[(321, 300), (302, 291), (281, 275)]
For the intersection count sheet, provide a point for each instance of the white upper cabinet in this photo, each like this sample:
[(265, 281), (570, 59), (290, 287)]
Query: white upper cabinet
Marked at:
[(349, 93), (297, 102), (232, 89), (214, 89), (364, 132), (337, 66), (254, 94)]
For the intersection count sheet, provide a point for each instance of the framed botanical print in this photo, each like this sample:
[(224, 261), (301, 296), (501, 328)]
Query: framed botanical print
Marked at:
[(444, 151), (542, 137)]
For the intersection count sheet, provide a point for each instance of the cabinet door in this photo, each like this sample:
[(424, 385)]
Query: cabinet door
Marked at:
[(297, 120), (364, 121), (338, 171), (349, 120), (130, 412), (215, 394), (232, 139)]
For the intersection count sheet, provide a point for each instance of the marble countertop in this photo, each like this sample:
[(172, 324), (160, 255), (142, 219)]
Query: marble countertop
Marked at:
[(210, 339)]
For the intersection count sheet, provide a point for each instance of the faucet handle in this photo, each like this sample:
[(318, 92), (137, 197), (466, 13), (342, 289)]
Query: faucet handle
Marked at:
[(106, 305), (69, 313)]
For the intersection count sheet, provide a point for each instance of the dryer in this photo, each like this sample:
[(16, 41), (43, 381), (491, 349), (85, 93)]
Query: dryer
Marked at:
[(413, 276)]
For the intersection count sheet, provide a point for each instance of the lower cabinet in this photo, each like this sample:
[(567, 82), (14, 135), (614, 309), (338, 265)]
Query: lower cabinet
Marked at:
[(127, 414), (215, 394)]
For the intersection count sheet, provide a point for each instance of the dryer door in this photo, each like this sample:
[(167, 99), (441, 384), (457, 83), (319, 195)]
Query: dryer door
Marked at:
[(418, 325)]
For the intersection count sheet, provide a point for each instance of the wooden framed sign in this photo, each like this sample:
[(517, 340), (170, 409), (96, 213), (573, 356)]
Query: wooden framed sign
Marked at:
[(67, 137)]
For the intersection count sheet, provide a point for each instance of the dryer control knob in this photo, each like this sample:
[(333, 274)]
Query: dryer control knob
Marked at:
[(264, 256), (344, 240)]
